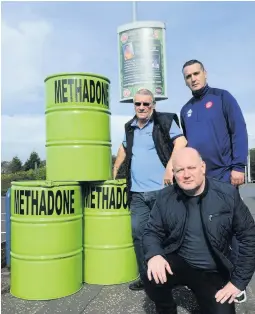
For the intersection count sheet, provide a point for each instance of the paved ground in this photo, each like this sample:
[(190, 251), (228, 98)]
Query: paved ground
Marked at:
[(116, 299)]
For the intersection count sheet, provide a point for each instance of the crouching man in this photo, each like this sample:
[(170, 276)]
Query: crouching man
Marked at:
[(188, 236)]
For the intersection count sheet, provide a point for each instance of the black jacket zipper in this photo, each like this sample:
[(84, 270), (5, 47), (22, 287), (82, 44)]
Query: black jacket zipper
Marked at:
[(217, 214), (215, 251)]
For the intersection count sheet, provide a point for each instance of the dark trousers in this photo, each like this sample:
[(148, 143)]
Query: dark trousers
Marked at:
[(140, 207), (204, 285)]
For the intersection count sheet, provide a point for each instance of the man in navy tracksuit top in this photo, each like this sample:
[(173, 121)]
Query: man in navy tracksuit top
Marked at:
[(213, 123)]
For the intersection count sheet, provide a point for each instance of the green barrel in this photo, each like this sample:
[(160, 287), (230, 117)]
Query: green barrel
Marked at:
[(46, 233), (109, 256), (78, 127)]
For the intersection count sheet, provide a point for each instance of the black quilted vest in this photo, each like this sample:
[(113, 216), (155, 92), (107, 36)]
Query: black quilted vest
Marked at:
[(161, 138)]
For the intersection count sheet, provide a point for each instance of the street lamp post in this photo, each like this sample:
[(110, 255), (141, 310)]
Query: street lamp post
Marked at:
[(250, 136), (134, 11), (249, 166)]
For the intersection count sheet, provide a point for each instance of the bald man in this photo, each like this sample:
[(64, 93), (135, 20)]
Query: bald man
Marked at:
[(186, 241)]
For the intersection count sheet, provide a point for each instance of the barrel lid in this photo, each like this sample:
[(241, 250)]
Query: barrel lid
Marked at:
[(44, 184), (108, 182), (77, 74)]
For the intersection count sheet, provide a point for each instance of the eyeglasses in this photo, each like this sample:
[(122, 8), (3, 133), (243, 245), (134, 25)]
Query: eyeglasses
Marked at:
[(145, 104)]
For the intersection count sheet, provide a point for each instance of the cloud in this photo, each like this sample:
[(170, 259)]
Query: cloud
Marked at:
[(117, 130), (22, 134), (32, 50), (41, 39), (22, 56)]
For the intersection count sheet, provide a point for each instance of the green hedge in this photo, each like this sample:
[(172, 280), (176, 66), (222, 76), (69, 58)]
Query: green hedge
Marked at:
[(6, 179)]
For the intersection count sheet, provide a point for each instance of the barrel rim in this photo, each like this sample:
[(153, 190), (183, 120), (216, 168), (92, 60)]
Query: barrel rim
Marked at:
[(77, 73), (108, 182), (50, 108), (44, 183)]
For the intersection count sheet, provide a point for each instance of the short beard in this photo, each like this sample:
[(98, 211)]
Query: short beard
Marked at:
[(193, 192)]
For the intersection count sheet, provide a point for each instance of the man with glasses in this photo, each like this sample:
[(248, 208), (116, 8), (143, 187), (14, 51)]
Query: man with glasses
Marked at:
[(150, 139)]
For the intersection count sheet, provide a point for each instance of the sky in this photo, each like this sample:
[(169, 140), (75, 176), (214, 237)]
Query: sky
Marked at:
[(43, 38)]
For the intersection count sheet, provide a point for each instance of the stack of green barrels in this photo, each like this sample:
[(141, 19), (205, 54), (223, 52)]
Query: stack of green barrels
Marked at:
[(74, 227)]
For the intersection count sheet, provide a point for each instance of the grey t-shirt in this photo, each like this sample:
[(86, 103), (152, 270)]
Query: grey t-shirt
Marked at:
[(194, 248)]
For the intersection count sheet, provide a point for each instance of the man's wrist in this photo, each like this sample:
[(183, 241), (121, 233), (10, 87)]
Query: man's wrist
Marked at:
[(238, 168)]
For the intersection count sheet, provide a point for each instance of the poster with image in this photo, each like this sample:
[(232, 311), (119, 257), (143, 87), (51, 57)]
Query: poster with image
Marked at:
[(142, 62)]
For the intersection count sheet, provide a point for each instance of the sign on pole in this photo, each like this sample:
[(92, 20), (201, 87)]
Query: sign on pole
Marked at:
[(142, 60)]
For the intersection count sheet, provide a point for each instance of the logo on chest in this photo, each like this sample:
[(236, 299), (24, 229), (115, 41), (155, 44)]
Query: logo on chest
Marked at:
[(208, 105), (189, 113)]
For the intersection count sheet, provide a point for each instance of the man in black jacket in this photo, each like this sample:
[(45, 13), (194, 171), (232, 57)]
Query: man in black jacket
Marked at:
[(150, 138), (187, 239)]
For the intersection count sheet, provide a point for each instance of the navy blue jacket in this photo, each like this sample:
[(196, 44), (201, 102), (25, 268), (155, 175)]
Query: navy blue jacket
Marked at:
[(214, 125)]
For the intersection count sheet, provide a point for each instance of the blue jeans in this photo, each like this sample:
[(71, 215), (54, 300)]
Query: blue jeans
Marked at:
[(140, 206)]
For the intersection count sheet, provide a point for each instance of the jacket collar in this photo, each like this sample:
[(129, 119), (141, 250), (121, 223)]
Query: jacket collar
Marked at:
[(201, 92)]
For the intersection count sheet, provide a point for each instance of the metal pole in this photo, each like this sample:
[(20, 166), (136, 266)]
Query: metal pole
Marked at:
[(249, 166), (134, 11), (8, 227)]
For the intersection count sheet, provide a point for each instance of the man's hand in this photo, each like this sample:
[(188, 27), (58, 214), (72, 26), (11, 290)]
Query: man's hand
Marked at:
[(168, 177), (157, 267), (229, 292), (237, 177)]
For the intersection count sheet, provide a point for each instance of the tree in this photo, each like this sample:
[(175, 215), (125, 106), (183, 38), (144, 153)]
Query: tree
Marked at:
[(43, 163), (32, 162), (252, 163), (5, 166), (15, 165)]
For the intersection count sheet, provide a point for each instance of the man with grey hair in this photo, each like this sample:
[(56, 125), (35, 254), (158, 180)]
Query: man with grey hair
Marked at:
[(150, 138), (187, 239)]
